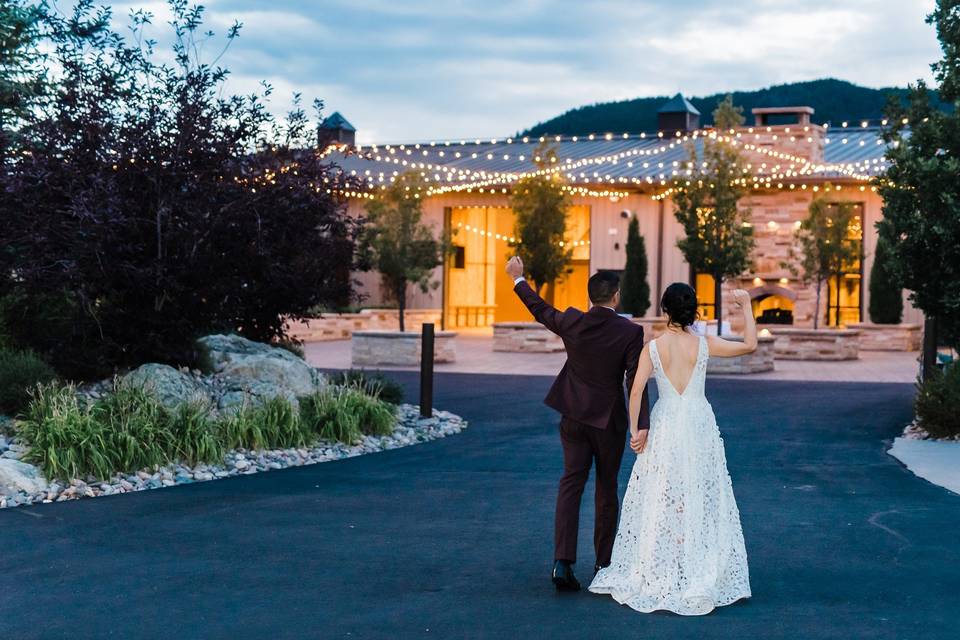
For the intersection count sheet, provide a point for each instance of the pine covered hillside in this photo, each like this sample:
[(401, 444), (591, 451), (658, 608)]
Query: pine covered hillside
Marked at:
[(832, 100)]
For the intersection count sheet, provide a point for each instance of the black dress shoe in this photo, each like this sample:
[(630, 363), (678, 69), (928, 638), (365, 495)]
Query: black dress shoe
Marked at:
[(563, 577), (597, 567)]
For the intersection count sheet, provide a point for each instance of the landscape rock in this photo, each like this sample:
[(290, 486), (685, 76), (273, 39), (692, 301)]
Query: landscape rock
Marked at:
[(19, 476), (254, 371), (171, 386)]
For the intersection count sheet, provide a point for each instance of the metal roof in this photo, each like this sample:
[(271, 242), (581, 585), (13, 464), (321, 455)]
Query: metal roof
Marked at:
[(625, 161), (678, 104), (337, 121)]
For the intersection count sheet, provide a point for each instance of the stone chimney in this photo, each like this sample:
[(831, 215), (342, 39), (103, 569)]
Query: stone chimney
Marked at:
[(793, 115), (336, 130), (784, 130), (677, 114)]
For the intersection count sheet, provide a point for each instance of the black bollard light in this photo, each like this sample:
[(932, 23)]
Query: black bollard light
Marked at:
[(426, 370)]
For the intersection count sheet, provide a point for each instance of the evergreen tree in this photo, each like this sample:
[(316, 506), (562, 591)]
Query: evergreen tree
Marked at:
[(886, 294), (920, 190), (634, 289)]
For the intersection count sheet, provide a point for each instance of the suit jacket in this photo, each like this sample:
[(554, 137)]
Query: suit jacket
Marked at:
[(602, 348)]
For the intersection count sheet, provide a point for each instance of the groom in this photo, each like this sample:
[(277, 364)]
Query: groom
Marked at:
[(602, 347)]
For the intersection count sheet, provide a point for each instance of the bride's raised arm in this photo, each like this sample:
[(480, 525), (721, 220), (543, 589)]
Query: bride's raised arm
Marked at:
[(729, 348)]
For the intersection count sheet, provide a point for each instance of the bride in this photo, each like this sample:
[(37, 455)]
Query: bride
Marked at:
[(679, 545)]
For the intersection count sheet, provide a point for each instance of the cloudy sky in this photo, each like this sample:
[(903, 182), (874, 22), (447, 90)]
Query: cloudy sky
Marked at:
[(403, 70)]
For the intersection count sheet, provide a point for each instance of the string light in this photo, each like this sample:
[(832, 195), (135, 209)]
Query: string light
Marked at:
[(441, 172)]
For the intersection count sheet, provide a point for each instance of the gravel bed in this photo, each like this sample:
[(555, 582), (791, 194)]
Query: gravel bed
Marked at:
[(411, 429)]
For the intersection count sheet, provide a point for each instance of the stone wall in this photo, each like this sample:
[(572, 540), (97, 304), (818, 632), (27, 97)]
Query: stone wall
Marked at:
[(757, 362), (888, 337), (820, 344), (378, 348), (525, 337), (340, 326)]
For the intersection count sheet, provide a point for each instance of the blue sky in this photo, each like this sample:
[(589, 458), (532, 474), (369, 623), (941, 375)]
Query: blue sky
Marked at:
[(404, 70)]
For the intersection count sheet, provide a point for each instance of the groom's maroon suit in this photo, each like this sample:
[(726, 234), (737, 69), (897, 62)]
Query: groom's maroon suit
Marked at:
[(602, 349)]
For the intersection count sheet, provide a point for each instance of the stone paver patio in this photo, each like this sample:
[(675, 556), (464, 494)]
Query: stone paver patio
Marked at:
[(475, 355)]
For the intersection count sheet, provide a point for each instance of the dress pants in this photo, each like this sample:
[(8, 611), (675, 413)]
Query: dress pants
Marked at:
[(582, 445)]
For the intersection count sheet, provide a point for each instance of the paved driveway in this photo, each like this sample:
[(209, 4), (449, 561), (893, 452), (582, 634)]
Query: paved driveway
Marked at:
[(452, 539)]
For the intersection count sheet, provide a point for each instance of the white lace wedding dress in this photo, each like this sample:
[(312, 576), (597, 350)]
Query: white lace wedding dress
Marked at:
[(679, 545)]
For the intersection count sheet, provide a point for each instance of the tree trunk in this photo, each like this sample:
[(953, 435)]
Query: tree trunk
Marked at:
[(402, 306), (718, 302), (929, 347), (816, 313), (551, 293)]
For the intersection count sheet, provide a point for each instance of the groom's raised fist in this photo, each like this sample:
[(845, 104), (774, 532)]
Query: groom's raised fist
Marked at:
[(515, 267)]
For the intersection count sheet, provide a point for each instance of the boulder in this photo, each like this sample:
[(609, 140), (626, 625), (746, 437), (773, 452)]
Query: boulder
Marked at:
[(171, 387), (19, 476), (255, 369)]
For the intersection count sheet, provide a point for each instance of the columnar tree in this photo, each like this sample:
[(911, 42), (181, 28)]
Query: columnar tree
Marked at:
[(634, 288), (540, 205), (886, 294), (718, 238), (398, 244), (149, 209), (920, 190), (823, 249)]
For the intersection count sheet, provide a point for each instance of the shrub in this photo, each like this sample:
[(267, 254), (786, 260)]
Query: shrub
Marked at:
[(140, 149), (273, 424), (886, 294), (346, 413), (20, 372), (937, 400), (129, 430), (63, 435), (373, 384), (136, 430), (196, 440)]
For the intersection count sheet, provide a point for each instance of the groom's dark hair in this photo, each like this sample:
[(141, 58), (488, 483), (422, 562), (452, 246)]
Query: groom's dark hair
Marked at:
[(602, 286)]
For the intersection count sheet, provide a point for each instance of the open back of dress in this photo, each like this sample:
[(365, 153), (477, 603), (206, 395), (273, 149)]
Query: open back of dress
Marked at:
[(679, 545)]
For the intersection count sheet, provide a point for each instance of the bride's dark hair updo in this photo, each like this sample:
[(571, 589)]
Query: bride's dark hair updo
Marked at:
[(679, 302)]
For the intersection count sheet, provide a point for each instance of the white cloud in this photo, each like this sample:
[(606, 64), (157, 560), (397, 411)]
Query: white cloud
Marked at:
[(423, 69)]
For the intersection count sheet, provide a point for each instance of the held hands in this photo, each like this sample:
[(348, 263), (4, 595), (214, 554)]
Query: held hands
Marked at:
[(515, 267), (741, 297), (638, 440)]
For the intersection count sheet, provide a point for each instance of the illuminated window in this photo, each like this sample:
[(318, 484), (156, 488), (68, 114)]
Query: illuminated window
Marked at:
[(844, 294), (706, 298)]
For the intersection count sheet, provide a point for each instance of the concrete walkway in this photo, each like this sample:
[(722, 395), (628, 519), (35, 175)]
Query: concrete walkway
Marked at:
[(935, 461), (475, 354), (452, 539)]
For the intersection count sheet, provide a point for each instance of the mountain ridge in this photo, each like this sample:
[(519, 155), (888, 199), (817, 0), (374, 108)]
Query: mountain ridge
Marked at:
[(833, 101)]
